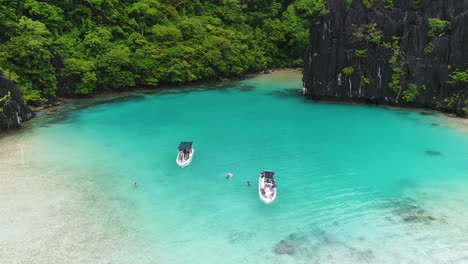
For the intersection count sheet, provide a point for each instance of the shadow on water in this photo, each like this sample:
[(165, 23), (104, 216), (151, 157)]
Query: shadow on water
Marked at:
[(434, 124), (209, 86), (175, 91), (408, 112), (289, 92), (401, 112), (68, 111), (111, 100), (245, 88), (424, 113), (432, 153)]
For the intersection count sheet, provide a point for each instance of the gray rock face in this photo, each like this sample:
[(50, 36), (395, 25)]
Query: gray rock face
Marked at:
[(390, 54), (13, 112)]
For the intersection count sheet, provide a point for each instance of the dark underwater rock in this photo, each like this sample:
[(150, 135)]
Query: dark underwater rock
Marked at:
[(410, 211), (284, 247), (432, 153), (349, 57), (13, 111), (291, 244)]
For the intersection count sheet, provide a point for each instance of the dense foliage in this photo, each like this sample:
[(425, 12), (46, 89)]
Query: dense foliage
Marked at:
[(80, 46), (437, 26)]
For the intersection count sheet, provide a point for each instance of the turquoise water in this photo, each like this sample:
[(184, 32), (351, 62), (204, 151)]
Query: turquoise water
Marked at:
[(356, 184)]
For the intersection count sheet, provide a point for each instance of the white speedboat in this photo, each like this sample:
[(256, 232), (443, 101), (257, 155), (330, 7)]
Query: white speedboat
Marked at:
[(267, 187), (185, 154)]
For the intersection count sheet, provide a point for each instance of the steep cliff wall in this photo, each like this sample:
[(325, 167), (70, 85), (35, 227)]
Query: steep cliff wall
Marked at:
[(13, 112), (397, 52)]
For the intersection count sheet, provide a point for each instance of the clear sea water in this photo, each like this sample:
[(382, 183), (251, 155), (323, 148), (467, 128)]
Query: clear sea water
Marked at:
[(356, 184)]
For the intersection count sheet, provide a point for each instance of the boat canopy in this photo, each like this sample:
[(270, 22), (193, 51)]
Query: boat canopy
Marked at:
[(185, 145), (269, 175)]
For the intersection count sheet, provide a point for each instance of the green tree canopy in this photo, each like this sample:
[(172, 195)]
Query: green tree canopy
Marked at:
[(85, 46)]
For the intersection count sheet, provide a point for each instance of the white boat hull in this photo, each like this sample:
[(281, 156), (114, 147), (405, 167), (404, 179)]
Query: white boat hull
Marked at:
[(184, 163), (268, 195)]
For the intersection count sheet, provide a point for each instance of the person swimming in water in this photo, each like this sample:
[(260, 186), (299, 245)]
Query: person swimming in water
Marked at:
[(228, 175), (248, 184), (135, 185)]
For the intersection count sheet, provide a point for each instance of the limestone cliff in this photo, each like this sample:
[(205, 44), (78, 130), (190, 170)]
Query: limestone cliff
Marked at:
[(13, 112), (397, 52)]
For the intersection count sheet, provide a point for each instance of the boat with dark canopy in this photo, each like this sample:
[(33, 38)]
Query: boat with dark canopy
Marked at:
[(267, 187), (185, 155)]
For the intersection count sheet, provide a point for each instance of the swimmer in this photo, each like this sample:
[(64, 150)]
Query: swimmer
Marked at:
[(248, 184), (228, 175), (135, 185)]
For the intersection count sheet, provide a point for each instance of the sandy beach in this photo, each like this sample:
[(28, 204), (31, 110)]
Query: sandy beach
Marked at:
[(457, 122), (46, 218)]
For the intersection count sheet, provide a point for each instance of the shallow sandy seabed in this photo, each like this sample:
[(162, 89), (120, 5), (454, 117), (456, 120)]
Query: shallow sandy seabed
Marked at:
[(51, 215), (45, 219)]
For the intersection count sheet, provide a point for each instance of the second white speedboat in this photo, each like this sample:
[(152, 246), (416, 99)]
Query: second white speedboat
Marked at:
[(267, 187), (185, 155)]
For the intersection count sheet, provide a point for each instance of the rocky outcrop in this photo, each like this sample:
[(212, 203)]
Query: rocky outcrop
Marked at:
[(397, 52), (13, 111)]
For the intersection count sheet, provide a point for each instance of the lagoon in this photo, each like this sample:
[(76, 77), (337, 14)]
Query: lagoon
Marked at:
[(356, 184)]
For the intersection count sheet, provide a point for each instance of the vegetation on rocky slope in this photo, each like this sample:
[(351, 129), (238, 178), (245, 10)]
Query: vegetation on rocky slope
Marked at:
[(77, 47)]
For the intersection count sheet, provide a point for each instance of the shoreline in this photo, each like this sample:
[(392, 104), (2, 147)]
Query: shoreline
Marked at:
[(168, 86), (53, 108), (457, 122)]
